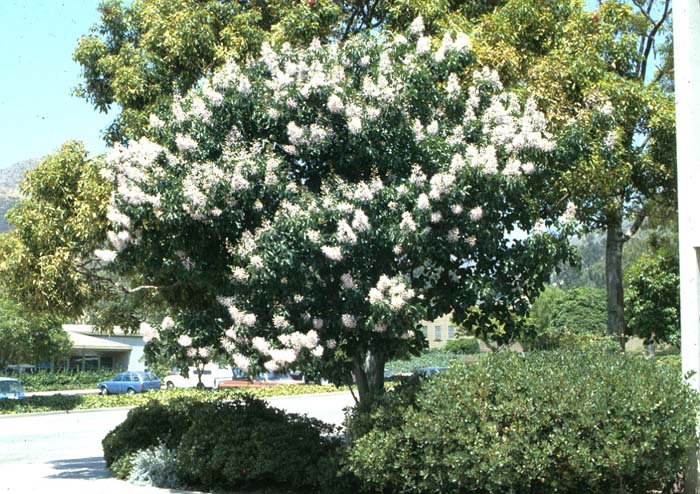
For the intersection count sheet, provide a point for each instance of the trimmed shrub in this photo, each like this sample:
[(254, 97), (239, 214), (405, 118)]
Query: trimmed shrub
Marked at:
[(555, 422), (150, 425), (463, 346), (247, 444)]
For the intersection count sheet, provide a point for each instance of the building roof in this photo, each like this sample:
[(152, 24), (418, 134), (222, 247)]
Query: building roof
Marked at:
[(89, 329), (85, 342)]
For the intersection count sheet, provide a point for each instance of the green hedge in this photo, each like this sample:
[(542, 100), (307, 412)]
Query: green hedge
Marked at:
[(150, 425), (63, 380), (33, 404), (250, 445), (551, 422), (463, 346)]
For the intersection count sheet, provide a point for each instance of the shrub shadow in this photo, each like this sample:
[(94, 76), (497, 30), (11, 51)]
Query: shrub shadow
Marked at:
[(80, 468)]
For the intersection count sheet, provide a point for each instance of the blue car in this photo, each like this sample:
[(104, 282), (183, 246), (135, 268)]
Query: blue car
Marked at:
[(129, 383), (11, 389)]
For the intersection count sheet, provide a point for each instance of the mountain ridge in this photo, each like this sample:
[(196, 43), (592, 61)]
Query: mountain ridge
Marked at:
[(10, 178)]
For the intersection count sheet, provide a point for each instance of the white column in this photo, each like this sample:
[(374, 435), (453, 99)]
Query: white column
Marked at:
[(686, 33)]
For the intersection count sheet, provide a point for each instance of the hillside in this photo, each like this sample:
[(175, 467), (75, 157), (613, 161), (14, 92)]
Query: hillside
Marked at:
[(10, 178)]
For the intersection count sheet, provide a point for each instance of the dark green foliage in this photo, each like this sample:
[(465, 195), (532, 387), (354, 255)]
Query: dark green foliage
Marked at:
[(122, 466), (561, 318), (385, 412), (463, 346), (149, 425), (246, 443), (554, 422), (652, 299)]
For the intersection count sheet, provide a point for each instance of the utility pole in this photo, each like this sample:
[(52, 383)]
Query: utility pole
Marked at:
[(686, 38)]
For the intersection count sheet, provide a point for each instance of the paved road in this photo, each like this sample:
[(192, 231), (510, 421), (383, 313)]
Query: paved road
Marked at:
[(57, 453)]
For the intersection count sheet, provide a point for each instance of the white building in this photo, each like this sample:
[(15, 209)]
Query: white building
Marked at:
[(91, 350), (686, 44)]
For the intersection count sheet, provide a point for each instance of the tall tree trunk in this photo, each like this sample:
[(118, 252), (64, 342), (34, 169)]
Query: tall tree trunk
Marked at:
[(613, 280), (369, 375)]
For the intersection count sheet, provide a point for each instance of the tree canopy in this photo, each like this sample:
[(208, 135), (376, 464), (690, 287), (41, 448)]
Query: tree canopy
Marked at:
[(592, 74), (47, 261), (26, 338)]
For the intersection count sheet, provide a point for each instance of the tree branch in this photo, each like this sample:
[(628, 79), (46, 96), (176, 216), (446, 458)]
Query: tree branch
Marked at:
[(636, 224), (651, 38)]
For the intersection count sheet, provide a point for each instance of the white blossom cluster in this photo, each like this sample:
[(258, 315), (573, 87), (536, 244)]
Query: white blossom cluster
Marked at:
[(390, 291), (148, 332)]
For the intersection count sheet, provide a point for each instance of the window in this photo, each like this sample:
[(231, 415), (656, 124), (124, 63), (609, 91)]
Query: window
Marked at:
[(424, 330), (450, 332), (438, 333)]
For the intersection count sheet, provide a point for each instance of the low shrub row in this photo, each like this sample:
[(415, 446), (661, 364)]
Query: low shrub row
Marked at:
[(224, 446), (554, 422), (63, 380), (33, 404)]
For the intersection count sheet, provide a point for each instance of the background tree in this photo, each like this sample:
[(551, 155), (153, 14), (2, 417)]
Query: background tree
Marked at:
[(47, 261), (561, 318), (652, 296), (593, 73), (315, 205), (29, 339)]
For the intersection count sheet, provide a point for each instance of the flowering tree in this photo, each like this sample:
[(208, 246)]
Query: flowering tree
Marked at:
[(309, 209)]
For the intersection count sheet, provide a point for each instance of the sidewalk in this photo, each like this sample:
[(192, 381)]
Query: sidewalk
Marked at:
[(73, 476)]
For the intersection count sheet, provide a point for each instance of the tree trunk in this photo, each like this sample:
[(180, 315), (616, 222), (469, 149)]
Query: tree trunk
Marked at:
[(369, 376), (613, 281)]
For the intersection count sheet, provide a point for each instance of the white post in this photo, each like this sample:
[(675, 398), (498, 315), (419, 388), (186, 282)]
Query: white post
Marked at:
[(686, 34)]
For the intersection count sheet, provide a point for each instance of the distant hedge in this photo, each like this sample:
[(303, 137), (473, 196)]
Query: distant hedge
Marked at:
[(63, 380), (463, 346), (546, 422)]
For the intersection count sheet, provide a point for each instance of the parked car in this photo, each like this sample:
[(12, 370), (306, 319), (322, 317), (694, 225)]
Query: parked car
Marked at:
[(429, 371), (241, 379), (11, 389), (278, 378), (212, 376), (129, 382)]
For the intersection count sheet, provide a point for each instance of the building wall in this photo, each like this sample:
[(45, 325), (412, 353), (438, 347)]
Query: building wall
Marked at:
[(134, 361), (118, 360), (439, 331)]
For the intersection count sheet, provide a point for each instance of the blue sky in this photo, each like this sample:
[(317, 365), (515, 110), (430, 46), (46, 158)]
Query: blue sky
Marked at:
[(37, 110)]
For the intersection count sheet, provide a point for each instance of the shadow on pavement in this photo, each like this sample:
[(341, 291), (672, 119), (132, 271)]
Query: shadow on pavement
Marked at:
[(80, 468)]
